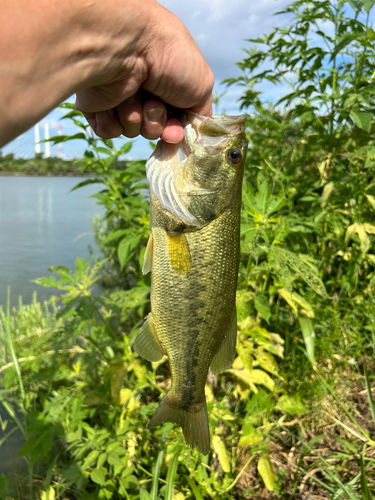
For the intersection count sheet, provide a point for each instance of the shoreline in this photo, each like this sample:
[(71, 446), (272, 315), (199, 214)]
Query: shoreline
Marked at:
[(54, 174)]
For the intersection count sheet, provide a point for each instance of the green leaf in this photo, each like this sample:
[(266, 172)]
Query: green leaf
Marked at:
[(251, 437), (267, 362), (170, 476), (9, 337), (101, 460), (327, 191), (129, 482), (371, 200), (72, 473), (257, 377), (155, 475), (365, 490), (97, 477), (91, 457), (294, 300), (114, 459), (194, 488), (368, 5), (361, 231), (286, 262), (308, 337), (28, 447), (362, 119), (369, 394), (341, 45), (221, 452), (125, 148), (291, 404), (266, 472), (104, 151), (126, 248), (56, 139), (261, 303), (86, 183), (144, 495)]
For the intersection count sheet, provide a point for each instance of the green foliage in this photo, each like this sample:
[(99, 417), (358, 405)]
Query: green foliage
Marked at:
[(71, 380)]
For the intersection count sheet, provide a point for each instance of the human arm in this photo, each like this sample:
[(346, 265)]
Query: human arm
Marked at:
[(104, 52)]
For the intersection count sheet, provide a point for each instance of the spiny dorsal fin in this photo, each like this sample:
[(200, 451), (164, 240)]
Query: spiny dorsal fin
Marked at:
[(146, 343), (224, 356), (179, 255)]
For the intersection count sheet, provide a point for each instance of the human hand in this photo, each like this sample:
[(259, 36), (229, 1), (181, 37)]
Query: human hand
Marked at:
[(166, 63)]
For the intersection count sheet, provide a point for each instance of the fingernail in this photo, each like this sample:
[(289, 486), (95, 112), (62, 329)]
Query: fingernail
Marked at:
[(153, 115)]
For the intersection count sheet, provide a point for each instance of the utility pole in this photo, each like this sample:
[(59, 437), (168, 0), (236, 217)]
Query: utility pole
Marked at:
[(37, 139), (47, 147)]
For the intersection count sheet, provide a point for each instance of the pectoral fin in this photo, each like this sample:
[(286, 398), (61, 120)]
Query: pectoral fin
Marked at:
[(224, 357), (179, 255), (147, 263), (146, 343)]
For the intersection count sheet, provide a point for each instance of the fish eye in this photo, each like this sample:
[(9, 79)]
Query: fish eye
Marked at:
[(234, 155)]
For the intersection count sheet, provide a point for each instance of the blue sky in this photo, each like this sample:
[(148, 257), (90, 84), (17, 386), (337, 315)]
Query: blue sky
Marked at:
[(220, 28)]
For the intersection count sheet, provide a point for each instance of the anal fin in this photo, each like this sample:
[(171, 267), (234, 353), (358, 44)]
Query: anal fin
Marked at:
[(224, 356), (147, 263), (146, 343), (179, 255)]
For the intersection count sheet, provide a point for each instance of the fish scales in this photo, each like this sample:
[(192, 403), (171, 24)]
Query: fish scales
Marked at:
[(202, 302), (193, 253)]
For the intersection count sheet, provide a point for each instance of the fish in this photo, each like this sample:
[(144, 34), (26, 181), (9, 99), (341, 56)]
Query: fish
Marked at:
[(193, 254)]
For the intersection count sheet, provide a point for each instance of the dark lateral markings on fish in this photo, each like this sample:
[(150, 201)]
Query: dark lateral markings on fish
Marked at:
[(193, 253)]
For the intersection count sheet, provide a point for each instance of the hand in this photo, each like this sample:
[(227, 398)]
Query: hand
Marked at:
[(167, 64), (105, 52)]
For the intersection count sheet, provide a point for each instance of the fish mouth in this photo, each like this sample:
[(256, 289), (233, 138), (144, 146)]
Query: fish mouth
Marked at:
[(211, 133)]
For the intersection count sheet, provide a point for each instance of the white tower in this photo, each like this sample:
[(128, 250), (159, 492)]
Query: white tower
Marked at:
[(37, 139), (60, 151), (47, 147)]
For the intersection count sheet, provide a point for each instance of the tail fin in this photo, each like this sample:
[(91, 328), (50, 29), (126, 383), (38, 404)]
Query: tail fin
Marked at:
[(194, 422)]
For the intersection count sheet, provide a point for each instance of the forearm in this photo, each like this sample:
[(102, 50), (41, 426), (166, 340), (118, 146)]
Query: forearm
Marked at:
[(50, 49)]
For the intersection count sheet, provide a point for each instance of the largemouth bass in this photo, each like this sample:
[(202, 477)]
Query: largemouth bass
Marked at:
[(193, 253)]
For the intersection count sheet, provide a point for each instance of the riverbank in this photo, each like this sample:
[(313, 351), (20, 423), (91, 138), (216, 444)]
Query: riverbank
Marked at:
[(47, 167), (39, 166), (48, 174)]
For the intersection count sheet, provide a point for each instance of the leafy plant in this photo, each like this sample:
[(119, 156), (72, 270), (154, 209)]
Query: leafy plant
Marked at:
[(82, 397)]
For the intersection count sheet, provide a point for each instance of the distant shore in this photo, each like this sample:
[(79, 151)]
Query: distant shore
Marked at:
[(42, 167), (47, 174)]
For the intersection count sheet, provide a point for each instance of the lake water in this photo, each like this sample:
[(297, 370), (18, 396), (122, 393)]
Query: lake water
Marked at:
[(41, 225)]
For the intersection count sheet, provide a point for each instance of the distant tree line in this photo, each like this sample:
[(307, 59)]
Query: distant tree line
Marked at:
[(52, 166)]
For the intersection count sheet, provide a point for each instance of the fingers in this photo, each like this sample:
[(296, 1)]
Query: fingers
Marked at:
[(148, 119), (105, 124), (154, 119), (130, 114), (173, 131), (132, 118)]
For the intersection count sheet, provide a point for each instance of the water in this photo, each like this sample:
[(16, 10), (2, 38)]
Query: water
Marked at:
[(41, 225)]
